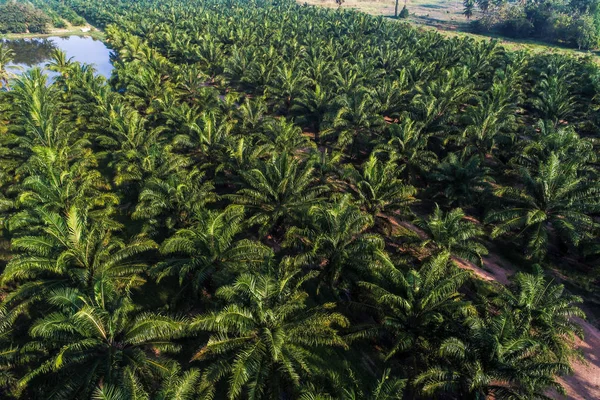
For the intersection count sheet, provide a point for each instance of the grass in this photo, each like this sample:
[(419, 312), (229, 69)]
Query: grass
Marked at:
[(70, 30), (446, 17)]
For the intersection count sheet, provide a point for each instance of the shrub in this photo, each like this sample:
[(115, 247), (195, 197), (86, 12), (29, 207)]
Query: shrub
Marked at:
[(586, 34), (59, 23), (404, 13)]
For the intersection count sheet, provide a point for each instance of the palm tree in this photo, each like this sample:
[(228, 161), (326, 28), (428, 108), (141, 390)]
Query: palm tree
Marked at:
[(494, 361), (418, 308), (71, 251), (461, 181), (204, 137), (172, 193), (380, 190), (544, 311), (175, 385), (562, 141), (287, 83), (212, 245), (388, 387), (554, 200), (277, 190), (280, 136), (128, 142), (356, 121), (554, 101), (336, 240), (409, 144), (97, 341), (313, 107), (6, 56), (266, 341), (60, 63), (452, 232)]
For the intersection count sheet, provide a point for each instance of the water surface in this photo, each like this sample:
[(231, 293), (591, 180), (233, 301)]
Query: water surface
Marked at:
[(34, 52)]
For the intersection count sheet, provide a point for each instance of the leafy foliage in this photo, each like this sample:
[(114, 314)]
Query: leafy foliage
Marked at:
[(228, 216)]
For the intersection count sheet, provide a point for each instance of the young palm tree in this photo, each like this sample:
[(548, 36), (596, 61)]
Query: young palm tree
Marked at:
[(451, 232), (555, 200), (267, 342)]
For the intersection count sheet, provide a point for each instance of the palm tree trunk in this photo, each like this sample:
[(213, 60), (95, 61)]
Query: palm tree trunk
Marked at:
[(396, 9)]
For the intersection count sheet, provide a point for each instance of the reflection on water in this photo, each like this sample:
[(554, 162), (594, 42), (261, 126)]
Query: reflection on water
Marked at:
[(37, 52), (31, 52)]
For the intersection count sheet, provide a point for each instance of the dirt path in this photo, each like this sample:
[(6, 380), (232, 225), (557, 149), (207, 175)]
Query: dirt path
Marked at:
[(584, 384)]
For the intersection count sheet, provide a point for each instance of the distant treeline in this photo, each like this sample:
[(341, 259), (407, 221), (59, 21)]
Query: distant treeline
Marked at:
[(22, 18), (571, 22)]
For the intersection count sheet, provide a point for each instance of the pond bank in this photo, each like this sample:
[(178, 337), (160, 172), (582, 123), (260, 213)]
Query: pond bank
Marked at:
[(86, 30)]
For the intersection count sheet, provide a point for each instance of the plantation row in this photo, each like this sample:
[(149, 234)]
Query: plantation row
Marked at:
[(269, 201)]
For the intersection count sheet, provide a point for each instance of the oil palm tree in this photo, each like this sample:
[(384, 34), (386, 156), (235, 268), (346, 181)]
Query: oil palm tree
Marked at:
[(6, 56), (452, 232), (71, 251), (418, 308), (379, 188), (277, 190), (461, 181), (494, 361), (546, 312), (212, 245), (313, 108), (266, 342), (92, 341), (555, 200), (337, 241), (356, 121)]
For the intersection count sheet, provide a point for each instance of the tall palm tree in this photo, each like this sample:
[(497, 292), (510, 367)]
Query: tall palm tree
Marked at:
[(266, 340), (555, 200)]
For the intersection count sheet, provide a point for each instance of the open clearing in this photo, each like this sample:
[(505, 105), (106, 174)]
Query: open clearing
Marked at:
[(447, 18)]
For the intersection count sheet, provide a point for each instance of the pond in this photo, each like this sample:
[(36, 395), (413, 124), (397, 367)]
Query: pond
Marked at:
[(30, 53)]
